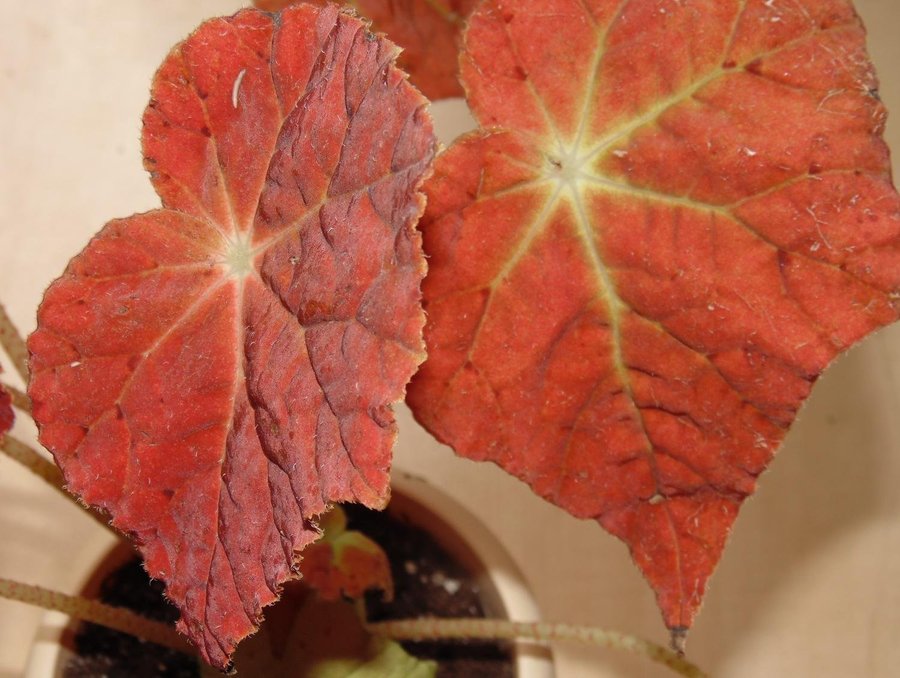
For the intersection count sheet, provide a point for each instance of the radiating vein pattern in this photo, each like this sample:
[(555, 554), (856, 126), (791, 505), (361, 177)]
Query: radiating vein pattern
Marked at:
[(676, 214), (218, 372)]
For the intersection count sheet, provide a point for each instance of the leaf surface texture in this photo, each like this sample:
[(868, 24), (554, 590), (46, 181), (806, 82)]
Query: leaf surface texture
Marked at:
[(675, 215), (216, 373)]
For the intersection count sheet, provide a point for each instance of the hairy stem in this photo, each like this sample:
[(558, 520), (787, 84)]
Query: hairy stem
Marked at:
[(117, 618), (19, 399), (127, 621), (28, 457), (13, 344), (445, 629)]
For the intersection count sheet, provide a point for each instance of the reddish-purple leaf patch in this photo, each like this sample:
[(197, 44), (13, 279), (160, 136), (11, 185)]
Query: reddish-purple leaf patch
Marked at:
[(216, 373)]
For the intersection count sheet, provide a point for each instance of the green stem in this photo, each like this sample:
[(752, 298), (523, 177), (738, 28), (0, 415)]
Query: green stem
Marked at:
[(441, 629), (28, 457), (13, 344), (117, 618)]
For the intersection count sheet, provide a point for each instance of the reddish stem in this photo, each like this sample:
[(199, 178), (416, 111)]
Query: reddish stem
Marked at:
[(13, 344), (117, 618), (28, 457), (495, 629)]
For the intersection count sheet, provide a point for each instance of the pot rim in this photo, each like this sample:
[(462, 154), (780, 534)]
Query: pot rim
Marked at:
[(457, 529)]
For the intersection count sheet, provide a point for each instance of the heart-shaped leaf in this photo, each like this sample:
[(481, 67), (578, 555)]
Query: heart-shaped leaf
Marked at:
[(675, 216), (214, 374), (427, 30)]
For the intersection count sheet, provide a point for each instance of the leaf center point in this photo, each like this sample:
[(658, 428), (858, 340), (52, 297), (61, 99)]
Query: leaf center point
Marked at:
[(566, 168), (239, 257)]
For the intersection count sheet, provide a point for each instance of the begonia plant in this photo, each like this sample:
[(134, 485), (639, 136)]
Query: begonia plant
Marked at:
[(620, 288)]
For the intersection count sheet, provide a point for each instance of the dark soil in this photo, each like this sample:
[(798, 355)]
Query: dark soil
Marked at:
[(427, 582), (102, 652)]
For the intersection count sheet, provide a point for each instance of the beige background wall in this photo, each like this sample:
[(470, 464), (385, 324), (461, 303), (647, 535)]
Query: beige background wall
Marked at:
[(810, 585)]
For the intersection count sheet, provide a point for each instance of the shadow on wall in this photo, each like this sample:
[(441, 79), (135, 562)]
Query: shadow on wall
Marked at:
[(830, 479)]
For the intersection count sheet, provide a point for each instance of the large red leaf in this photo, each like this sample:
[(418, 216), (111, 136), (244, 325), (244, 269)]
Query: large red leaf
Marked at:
[(427, 30), (216, 373), (674, 218)]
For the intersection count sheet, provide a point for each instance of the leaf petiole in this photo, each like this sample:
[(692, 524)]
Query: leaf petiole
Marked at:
[(537, 632), (116, 618), (44, 469), (13, 343), (20, 399), (127, 621)]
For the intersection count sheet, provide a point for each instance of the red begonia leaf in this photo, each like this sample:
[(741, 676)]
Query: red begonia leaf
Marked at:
[(345, 562), (674, 218), (427, 30), (215, 373)]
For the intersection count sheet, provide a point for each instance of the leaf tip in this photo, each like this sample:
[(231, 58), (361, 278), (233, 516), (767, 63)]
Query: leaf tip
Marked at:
[(678, 639)]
